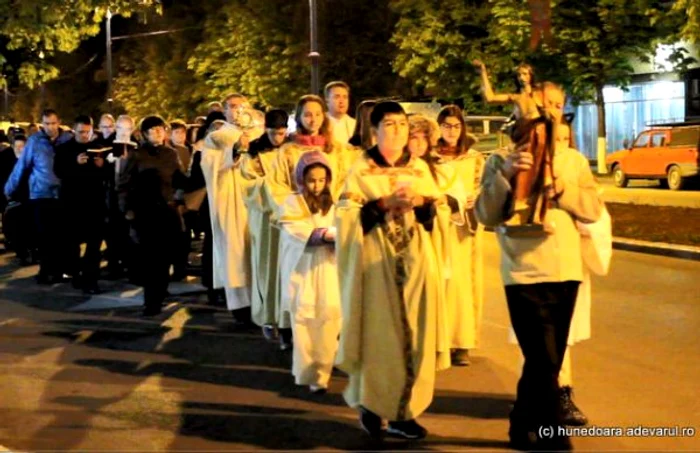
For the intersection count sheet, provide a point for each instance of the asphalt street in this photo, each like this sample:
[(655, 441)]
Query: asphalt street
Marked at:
[(87, 373), (650, 193)]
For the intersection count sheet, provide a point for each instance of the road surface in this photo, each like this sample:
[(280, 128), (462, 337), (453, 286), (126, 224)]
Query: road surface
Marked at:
[(80, 373), (650, 193)]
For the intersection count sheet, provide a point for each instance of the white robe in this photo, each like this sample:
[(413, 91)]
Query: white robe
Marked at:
[(309, 291), (264, 238), (393, 338), (464, 290), (231, 245)]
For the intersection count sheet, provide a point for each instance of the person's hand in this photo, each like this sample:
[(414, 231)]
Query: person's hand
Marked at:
[(129, 215), (243, 142), (478, 64), (469, 203), (329, 235), (401, 200), (181, 209), (82, 158), (99, 162), (517, 161)]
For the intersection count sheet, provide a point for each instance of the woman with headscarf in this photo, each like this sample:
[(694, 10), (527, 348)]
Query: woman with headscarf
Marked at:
[(149, 195)]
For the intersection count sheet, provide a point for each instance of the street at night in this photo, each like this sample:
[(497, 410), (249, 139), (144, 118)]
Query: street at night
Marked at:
[(106, 380), (349, 225)]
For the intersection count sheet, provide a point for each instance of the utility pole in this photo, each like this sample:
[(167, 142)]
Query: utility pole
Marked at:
[(109, 60), (314, 56), (7, 103)]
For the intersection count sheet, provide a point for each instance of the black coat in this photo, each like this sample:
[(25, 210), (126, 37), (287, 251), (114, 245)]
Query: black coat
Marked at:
[(81, 184), (7, 163), (150, 181)]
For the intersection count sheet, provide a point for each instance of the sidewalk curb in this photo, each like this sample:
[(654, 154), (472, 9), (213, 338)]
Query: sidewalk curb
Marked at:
[(687, 252)]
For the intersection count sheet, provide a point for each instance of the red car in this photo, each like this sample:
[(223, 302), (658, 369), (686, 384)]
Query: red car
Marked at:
[(668, 153)]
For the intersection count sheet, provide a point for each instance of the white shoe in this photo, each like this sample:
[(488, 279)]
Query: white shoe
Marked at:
[(317, 389)]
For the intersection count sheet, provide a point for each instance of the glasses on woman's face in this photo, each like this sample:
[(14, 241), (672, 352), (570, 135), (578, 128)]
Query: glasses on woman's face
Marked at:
[(451, 126)]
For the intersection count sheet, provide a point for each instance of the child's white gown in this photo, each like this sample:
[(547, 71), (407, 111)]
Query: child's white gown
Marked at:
[(310, 291)]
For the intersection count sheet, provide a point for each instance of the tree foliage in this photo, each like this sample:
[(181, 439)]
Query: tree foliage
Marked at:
[(261, 49), (257, 48), (690, 30), (593, 45), (151, 72), (437, 40), (36, 30)]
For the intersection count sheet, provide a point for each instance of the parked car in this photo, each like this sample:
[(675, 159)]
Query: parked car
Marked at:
[(488, 132), (668, 153)]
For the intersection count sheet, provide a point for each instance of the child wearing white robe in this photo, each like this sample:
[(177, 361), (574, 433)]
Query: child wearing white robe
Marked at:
[(308, 273)]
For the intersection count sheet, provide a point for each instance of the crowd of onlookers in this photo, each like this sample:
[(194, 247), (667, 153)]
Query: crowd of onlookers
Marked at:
[(61, 190)]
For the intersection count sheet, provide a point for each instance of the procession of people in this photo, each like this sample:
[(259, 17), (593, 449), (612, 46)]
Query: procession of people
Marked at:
[(356, 243)]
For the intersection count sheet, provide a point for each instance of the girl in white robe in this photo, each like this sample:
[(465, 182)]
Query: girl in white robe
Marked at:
[(464, 293), (308, 272)]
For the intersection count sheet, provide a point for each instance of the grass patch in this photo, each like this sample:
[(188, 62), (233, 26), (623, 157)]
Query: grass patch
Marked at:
[(670, 224)]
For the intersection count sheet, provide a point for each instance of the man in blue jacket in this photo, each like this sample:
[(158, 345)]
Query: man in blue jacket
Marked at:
[(36, 162)]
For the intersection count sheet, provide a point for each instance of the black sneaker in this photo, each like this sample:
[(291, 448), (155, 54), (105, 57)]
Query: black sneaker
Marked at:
[(410, 430), (522, 440), (318, 390), (92, 290), (44, 280), (460, 357), (152, 311), (370, 423), (286, 339), (270, 333)]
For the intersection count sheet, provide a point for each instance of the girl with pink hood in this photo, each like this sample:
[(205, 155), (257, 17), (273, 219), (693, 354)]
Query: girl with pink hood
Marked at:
[(308, 272)]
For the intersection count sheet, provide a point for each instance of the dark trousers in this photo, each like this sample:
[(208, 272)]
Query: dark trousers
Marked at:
[(87, 227), (207, 250), (157, 233), (120, 250), (18, 228), (50, 237), (182, 254), (541, 316)]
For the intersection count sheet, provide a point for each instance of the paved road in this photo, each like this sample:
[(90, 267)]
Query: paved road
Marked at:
[(89, 374), (650, 193)]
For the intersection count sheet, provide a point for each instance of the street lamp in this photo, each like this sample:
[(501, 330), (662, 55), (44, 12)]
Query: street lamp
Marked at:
[(109, 60), (314, 56), (42, 85)]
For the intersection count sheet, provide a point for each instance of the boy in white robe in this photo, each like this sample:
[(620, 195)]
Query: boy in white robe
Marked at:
[(392, 342), (309, 275), (256, 167)]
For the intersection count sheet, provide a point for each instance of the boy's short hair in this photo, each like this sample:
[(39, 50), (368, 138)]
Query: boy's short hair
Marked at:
[(49, 112), (276, 119), (335, 84), (177, 124), (383, 109), (83, 119)]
